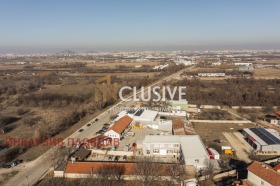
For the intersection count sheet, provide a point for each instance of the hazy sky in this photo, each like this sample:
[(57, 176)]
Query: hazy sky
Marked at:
[(54, 25)]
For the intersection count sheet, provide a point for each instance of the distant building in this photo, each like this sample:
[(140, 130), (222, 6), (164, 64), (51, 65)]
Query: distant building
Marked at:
[(272, 119), (263, 140), (246, 67), (21, 63), (216, 63), (263, 175), (243, 64), (181, 60), (189, 149), (178, 105), (211, 74)]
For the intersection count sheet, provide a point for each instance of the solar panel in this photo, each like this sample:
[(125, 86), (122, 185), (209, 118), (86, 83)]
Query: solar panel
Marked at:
[(266, 136), (277, 141), (139, 112)]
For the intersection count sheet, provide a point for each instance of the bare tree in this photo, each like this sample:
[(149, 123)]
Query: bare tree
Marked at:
[(110, 174), (148, 171), (208, 173)]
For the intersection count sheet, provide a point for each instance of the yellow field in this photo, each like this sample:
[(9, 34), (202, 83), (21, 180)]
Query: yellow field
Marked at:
[(267, 73)]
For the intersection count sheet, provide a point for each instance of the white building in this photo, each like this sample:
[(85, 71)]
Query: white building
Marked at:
[(144, 115), (211, 74), (189, 148), (263, 140), (261, 174), (243, 64), (119, 128)]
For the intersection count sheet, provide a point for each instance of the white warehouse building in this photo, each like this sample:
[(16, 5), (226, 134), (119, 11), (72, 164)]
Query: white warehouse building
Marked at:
[(263, 140), (188, 148)]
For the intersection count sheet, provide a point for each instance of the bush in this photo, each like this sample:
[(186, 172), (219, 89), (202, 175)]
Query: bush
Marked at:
[(22, 111)]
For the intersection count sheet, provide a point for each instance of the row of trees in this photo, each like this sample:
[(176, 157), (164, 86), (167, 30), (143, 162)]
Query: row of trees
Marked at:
[(235, 91), (53, 100), (26, 84)]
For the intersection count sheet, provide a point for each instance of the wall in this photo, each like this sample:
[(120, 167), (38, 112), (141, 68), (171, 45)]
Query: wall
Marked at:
[(152, 146), (120, 153), (271, 148), (112, 134), (200, 164), (257, 180)]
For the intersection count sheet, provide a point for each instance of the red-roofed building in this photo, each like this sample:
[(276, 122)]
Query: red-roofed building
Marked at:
[(262, 174), (119, 128), (277, 167), (129, 170)]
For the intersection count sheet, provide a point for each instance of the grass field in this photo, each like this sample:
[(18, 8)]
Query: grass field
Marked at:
[(211, 131), (267, 73)]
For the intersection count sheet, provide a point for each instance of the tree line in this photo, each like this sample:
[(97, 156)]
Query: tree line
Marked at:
[(232, 92)]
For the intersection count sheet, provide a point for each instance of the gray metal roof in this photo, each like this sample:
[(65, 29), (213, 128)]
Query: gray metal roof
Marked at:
[(191, 145)]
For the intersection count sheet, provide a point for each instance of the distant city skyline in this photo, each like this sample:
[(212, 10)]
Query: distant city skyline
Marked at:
[(53, 26)]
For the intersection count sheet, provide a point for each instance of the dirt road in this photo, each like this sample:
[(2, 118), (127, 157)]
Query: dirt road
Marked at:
[(240, 149)]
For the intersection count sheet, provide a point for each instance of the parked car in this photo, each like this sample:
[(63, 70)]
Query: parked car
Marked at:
[(117, 158), (124, 158), (273, 164), (9, 165), (99, 132), (104, 128), (102, 131), (121, 138), (278, 160), (81, 130), (18, 161), (163, 117), (6, 166)]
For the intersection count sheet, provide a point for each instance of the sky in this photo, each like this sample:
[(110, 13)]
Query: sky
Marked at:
[(51, 26)]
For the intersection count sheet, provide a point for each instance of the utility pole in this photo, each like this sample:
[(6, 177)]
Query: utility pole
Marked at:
[(27, 180)]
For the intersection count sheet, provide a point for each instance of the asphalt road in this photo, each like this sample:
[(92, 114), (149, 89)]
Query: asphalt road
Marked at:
[(43, 164)]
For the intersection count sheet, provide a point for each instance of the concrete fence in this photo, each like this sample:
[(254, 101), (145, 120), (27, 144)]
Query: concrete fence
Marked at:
[(222, 121)]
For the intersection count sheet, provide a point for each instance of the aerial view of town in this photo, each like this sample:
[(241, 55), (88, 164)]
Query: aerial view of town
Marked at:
[(152, 93)]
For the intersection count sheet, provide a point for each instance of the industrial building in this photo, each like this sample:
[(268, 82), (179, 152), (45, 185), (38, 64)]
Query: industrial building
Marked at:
[(243, 64), (178, 105), (262, 174), (263, 140), (119, 128), (211, 74), (145, 115), (189, 149)]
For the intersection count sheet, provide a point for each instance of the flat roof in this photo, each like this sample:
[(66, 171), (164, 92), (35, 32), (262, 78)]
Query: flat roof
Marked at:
[(179, 102), (161, 139), (191, 145), (148, 114)]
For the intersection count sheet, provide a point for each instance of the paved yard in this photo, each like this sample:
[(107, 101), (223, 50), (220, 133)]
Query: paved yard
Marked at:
[(240, 149)]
